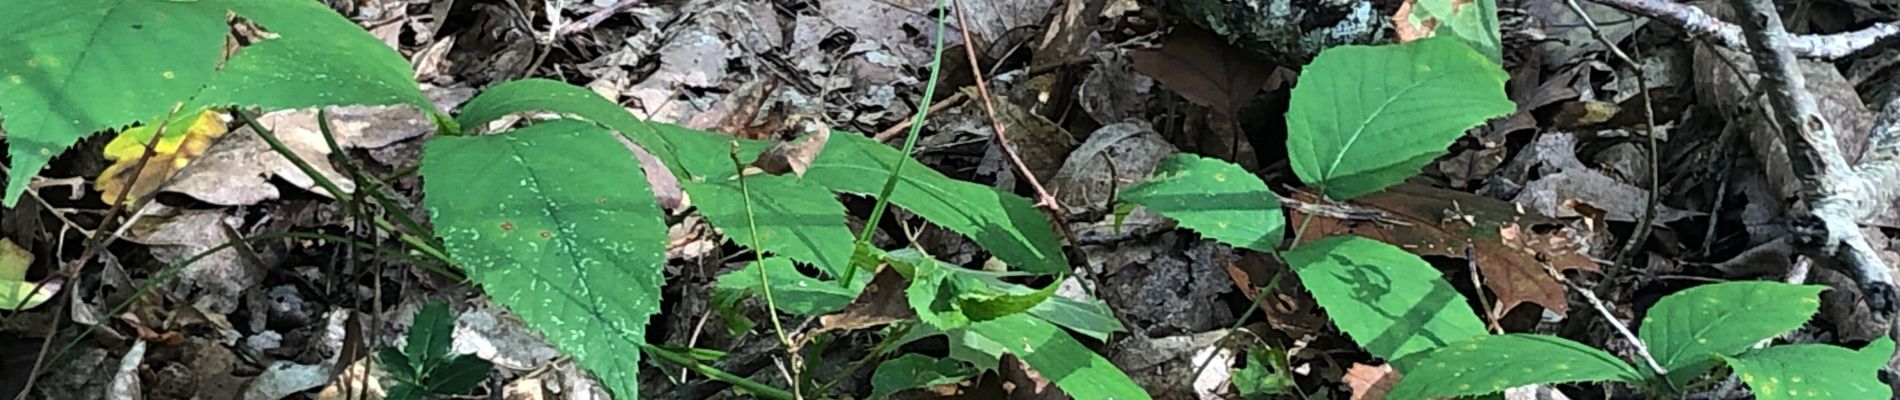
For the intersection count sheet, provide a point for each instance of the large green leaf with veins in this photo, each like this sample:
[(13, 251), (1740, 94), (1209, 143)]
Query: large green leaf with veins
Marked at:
[(1215, 198), (1489, 364), (798, 220), (69, 68), (556, 221), (1388, 300), (1080, 372), (1687, 330), (314, 57), (82, 66), (1816, 371), (1364, 118), (1005, 224)]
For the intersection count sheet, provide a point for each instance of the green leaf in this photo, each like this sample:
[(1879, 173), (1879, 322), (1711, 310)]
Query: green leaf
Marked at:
[(316, 58), (459, 375), (983, 303), (1388, 300), (1794, 372), (1474, 22), (15, 292), (1490, 364), (916, 371), (397, 365), (1688, 329), (797, 220), (406, 391), (556, 222), (1217, 199), (794, 292), (1263, 374), (430, 336), (1005, 224), (1061, 359), (74, 67), (1090, 317), (932, 293), (1364, 118), (560, 97)]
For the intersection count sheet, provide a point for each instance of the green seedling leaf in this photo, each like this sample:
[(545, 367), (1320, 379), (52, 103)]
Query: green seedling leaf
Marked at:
[(15, 292), (458, 375), (397, 364), (1005, 224), (405, 391), (1490, 364), (932, 293), (560, 97), (794, 292), (430, 337), (916, 371), (314, 58), (1686, 330), (556, 222), (1263, 374), (1390, 301), (1816, 371), (982, 303), (1363, 118), (1061, 359), (75, 67), (800, 221), (1473, 21), (1090, 317), (1219, 200)]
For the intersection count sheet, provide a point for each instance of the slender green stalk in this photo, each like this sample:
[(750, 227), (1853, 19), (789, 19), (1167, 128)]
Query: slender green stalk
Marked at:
[(684, 361), (765, 282), (910, 145), (364, 183), (1264, 292)]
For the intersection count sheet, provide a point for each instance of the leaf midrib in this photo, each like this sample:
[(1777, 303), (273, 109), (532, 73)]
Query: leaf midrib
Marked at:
[(1327, 175)]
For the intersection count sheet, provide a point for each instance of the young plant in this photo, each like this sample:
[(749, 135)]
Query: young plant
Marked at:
[(424, 366), (1365, 118)]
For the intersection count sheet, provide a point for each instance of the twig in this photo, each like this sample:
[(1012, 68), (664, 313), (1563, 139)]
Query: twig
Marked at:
[(898, 129), (1043, 199), (1833, 195), (1590, 296), (597, 17), (1698, 23), (1627, 256)]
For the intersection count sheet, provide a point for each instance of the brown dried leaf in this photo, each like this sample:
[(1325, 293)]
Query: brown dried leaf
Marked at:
[(1204, 69), (1511, 244), (881, 303), (1369, 382), (795, 156)]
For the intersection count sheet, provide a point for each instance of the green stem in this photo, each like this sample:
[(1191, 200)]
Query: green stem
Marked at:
[(756, 388), (758, 261), (910, 145)]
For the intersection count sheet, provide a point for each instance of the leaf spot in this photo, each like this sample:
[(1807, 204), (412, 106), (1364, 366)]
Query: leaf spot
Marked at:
[(16, 79), (507, 226), (170, 75), (546, 234)]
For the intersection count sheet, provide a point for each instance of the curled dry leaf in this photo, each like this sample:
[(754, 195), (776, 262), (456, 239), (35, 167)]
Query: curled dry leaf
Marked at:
[(795, 156), (882, 302), (237, 171), (1511, 244), (1370, 382)]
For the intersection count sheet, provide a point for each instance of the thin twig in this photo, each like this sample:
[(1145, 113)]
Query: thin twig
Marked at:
[(1043, 199), (1627, 256), (1589, 296), (597, 17), (1698, 23), (893, 131)]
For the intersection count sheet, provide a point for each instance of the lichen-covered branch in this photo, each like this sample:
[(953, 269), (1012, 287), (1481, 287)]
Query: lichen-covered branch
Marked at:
[(1827, 229), (1699, 23), (1288, 32)]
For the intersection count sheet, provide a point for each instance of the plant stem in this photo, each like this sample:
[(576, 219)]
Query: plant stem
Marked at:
[(910, 145), (765, 281), (682, 360)]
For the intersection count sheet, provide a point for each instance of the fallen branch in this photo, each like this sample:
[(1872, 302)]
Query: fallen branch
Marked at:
[(1701, 24), (1833, 195)]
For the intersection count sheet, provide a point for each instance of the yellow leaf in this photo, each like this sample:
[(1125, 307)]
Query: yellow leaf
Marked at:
[(14, 289), (175, 149)]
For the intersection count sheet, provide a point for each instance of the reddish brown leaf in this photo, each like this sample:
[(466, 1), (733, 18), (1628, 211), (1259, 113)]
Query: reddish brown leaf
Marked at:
[(1406, 29), (882, 302), (795, 156), (1204, 69), (1369, 382), (1510, 244)]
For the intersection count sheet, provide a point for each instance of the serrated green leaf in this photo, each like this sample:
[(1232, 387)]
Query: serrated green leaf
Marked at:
[(430, 336), (458, 375), (1005, 224), (1214, 198), (1363, 118), (397, 364), (916, 371), (405, 391), (1474, 22), (560, 97), (70, 68), (1061, 359), (1490, 364), (1388, 300), (315, 58), (1090, 317), (932, 293), (1688, 329), (1797, 372), (984, 305), (802, 221), (794, 292), (556, 222)]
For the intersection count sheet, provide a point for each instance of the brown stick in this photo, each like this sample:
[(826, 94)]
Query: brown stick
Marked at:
[(592, 20), (1043, 199)]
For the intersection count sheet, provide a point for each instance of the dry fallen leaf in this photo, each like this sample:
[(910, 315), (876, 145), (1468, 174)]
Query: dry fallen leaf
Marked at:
[(881, 303), (795, 156), (1204, 69), (1511, 245), (172, 153), (1369, 382), (237, 171)]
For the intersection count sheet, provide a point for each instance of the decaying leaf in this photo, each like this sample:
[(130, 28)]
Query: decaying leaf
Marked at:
[(173, 152), (795, 156), (15, 292), (1204, 69), (882, 302), (1511, 244), (1369, 382), (238, 171)]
